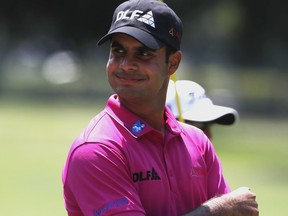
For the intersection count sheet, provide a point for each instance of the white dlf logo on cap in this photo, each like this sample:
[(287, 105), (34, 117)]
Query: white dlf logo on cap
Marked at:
[(138, 15)]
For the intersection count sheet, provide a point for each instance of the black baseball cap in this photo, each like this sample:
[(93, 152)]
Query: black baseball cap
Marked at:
[(151, 22)]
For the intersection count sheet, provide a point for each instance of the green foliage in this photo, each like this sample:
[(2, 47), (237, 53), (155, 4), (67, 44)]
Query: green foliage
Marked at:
[(35, 139)]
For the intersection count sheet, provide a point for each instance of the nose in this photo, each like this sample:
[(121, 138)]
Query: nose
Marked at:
[(128, 63)]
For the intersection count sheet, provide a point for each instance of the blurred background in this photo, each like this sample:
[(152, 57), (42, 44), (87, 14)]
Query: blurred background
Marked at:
[(53, 80)]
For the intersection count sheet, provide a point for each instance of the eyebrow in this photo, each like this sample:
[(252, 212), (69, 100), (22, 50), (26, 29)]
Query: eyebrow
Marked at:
[(115, 44), (141, 48)]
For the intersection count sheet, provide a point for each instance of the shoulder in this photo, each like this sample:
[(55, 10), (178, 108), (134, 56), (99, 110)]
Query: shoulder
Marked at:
[(90, 159), (196, 137), (97, 145), (95, 154), (192, 131), (102, 128)]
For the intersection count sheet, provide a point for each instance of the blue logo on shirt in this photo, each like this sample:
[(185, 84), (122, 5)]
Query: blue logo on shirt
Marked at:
[(138, 126), (110, 205)]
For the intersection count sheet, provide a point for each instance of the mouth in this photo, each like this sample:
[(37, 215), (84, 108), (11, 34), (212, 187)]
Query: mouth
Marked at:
[(129, 78)]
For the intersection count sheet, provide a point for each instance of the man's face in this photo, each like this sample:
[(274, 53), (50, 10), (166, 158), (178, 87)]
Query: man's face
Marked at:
[(135, 71)]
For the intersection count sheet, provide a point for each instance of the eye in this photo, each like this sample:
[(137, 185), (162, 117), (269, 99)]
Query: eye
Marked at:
[(117, 50), (145, 53)]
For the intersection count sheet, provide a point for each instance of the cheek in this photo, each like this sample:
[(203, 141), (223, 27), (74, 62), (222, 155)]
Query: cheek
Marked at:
[(110, 66)]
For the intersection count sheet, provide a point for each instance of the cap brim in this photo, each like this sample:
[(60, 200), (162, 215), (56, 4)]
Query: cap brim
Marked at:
[(142, 36), (213, 113)]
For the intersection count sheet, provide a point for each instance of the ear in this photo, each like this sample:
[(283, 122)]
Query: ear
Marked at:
[(174, 62)]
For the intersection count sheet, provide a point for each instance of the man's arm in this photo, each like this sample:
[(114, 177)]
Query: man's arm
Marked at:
[(240, 202)]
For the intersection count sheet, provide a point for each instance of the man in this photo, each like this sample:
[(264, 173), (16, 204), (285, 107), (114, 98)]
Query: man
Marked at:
[(196, 108), (134, 158)]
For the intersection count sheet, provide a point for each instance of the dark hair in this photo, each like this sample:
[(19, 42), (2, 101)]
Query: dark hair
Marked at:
[(169, 51)]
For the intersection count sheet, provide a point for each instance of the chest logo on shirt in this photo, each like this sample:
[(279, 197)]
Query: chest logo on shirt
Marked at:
[(138, 126), (145, 176)]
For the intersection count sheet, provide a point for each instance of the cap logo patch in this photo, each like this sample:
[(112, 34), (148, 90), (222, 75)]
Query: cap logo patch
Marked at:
[(138, 15), (193, 97), (138, 126), (148, 19), (171, 32)]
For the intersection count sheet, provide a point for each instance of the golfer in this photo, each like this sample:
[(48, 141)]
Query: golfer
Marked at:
[(134, 158)]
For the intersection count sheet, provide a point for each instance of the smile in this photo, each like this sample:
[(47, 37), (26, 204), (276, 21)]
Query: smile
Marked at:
[(129, 78)]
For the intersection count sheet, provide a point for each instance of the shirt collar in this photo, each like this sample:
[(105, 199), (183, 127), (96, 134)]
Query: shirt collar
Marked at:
[(132, 123)]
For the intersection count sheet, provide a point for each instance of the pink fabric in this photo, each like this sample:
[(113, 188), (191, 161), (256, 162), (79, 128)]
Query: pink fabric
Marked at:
[(119, 165)]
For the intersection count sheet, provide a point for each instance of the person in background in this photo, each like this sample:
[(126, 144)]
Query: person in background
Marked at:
[(196, 108), (134, 158)]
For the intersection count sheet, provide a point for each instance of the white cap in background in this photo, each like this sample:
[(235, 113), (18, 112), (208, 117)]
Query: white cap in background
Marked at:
[(195, 105)]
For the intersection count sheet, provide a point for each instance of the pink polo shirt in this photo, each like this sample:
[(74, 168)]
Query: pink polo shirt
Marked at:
[(120, 165)]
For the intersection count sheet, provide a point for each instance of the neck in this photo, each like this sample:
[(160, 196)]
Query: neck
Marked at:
[(151, 113)]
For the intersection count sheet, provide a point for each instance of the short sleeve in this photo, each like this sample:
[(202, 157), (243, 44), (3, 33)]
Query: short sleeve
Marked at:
[(217, 184), (98, 182)]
